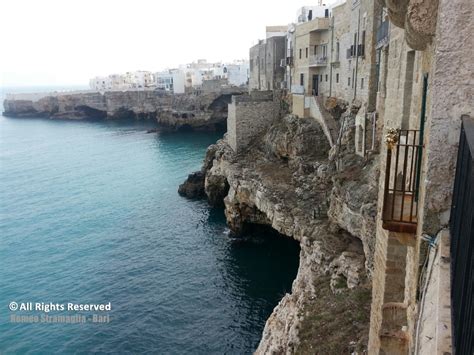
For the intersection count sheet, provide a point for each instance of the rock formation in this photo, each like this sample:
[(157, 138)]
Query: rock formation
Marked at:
[(183, 111), (291, 180)]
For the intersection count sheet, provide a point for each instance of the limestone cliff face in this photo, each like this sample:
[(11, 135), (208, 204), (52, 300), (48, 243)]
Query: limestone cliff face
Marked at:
[(286, 180), (353, 197), (204, 111)]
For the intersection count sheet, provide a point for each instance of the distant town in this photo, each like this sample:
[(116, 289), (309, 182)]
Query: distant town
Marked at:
[(180, 80)]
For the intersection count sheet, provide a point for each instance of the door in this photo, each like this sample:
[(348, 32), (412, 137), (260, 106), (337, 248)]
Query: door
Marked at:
[(315, 84)]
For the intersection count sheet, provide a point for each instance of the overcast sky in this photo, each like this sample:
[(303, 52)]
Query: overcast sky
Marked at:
[(61, 42)]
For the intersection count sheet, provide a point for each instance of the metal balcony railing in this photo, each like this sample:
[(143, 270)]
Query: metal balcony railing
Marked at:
[(462, 243), (317, 60), (402, 177)]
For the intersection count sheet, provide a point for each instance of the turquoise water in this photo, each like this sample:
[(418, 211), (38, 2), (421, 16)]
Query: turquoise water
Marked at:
[(90, 214)]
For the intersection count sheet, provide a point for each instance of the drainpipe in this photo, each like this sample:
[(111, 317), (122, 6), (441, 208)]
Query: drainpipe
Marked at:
[(357, 55), (332, 51), (422, 133)]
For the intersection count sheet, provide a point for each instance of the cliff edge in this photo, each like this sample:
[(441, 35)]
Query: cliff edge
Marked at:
[(203, 111), (287, 179)]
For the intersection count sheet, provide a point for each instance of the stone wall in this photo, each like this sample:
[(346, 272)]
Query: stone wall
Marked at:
[(213, 85), (396, 281), (452, 95), (249, 117)]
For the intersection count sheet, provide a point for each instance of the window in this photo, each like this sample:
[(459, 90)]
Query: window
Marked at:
[(337, 51), (321, 78), (361, 83), (301, 51), (326, 77), (306, 52), (302, 79), (349, 81), (315, 50), (337, 77)]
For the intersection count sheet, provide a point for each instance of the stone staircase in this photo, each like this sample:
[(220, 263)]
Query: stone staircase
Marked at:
[(324, 118)]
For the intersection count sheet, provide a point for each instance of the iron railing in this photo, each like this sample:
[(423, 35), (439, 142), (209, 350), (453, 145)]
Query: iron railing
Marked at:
[(462, 243), (402, 181), (317, 60)]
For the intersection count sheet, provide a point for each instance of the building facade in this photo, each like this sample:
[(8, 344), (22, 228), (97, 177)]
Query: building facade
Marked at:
[(171, 80), (425, 96), (119, 82), (333, 56), (267, 68)]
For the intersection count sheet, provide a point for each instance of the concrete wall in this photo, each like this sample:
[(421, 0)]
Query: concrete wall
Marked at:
[(298, 105), (248, 117)]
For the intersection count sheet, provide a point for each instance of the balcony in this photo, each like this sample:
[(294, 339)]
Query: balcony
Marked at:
[(402, 179), (382, 36), (315, 25), (289, 61), (317, 61)]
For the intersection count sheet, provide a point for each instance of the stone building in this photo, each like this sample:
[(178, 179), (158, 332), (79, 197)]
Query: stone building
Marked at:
[(425, 92), (333, 56), (267, 69)]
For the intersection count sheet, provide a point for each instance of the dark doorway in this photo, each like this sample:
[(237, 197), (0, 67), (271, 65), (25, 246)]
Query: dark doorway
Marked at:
[(315, 84)]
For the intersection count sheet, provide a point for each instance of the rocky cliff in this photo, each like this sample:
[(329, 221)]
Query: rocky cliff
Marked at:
[(196, 111), (288, 179)]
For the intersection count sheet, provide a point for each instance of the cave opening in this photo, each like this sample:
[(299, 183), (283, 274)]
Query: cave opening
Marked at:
[(267, 262), (185, 128), (92, 114)]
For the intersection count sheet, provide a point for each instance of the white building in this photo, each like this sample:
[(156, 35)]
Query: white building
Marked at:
[(129, 80), (187, 76), (308, 13), (172, 80), (143, 79), (238, 73)]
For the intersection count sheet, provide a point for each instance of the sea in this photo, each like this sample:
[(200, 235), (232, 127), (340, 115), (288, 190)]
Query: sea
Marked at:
[(90, 215)]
